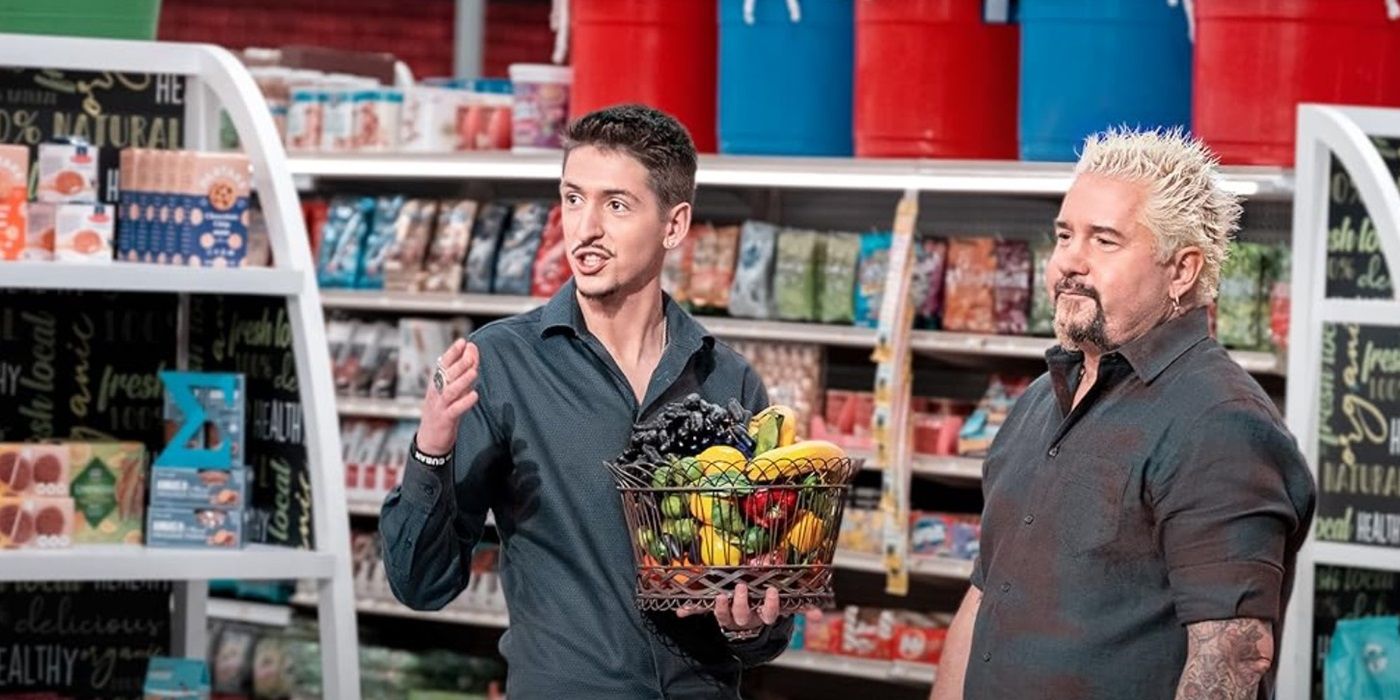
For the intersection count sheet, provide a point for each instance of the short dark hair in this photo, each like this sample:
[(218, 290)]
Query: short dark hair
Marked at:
[(653, 137)]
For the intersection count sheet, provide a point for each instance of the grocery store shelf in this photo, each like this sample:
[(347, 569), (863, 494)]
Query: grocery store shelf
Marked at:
[(1002, 177), (142, 277), (1359, 556), (789, 332), (389, 608), (936, 467), (266, 614), (130, 563), (939, 567), (364, 508), (377, 408), (873, 669), (428, 302)]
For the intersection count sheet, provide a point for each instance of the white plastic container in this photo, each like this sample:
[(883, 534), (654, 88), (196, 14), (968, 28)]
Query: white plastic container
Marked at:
[(541, 106)]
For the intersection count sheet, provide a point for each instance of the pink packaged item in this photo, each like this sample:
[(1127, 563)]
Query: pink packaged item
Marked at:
[(541, 108)]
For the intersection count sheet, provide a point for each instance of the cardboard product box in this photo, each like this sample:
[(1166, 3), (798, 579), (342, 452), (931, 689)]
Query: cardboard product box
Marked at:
[(200, 488), (824, 636), (918, 638), (109, 491), (224, 419), (67, 173), (867, 633), (83, 233), (14, 172), (195, 528), (176, 679), (221, 183), (14, 191), (43, 231), (166, 244), (36, 523), (30, 469)]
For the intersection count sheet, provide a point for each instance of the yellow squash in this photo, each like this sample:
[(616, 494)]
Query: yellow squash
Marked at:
[(794, 460), (718, 550), (806, 533), (785, 417), (721, 459)]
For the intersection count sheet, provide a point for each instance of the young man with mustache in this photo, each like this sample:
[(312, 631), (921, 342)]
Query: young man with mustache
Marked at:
[(1144, 501), (520, 421)]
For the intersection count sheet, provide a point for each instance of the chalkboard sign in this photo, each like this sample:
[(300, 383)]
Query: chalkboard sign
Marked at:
[(253, 335), (109, 110), (1344, 594), (1356, 267), (81, 640), (1359, 435), (83, 366)]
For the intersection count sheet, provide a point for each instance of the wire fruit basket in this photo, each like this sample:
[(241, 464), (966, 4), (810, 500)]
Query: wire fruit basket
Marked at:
[(701, 527)]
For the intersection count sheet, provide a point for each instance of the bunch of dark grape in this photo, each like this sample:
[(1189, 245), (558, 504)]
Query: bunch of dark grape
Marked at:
[(687, 427)]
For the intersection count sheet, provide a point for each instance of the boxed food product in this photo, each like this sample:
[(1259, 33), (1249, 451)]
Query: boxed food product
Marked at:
[(347, 226), (867, 633), (413, 231), (378, 242), (306, 119), (428, 123), (862, 530), (486, 236), (944, 535), (870, 278), (36, 523), (67, 172), (676, 271), (135, 195), (14, 191), (219, 185), (1013, 287), (751, 295), (918, 638), (362, 460), (34, 469), (377, 115), (83, 233), (702, 272), (421, 342), (176, 679), (1042, 321), (338, 127), (219, 397), (1279, 299), (982, 426), (205, 528), (836, 295), (970, 286), (552, 262), (1244, 298), (515, 259), (926, 290), (109, 491), (449, 247), (166, 196), (795, 283), (199, 488), (824, 634)]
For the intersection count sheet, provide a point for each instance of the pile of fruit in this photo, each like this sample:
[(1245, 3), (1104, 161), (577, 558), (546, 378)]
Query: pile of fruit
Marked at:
[(713, 488)]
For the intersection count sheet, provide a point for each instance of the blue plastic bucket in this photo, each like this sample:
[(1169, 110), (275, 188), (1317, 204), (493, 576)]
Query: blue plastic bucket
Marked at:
[(1087, 65), (785, 78)]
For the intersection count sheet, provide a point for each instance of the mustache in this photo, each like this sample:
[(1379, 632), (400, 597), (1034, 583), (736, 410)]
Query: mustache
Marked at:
[(1071, 286), (591, 246)]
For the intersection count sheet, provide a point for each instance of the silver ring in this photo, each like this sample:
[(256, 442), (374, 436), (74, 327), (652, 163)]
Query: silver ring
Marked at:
[(439, 379)]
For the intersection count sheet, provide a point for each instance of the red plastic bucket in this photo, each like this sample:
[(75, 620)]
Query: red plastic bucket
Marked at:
[(933, 80), (661, 54), (1257, 59)]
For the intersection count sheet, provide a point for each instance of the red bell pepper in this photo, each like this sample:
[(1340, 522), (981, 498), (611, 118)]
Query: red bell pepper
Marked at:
[(767, 507)]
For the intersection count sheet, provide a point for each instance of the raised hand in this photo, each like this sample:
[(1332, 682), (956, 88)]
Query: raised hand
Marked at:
[(451, 393)]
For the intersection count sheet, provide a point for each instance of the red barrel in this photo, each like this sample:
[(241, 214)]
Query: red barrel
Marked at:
[(1257, 59), (933, 80), (661, 54)]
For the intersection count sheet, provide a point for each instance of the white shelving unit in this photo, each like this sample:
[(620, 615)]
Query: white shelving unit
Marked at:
[(873, 669), (933, 567), (1325, 133), (215, 78), (496, 619), (266, 614)]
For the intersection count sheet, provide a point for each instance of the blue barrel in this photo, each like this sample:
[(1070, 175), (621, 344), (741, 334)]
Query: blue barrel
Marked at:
[(785, 80), (1087, 65)]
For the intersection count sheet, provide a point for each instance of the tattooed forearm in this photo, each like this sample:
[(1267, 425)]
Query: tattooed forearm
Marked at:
[(1225, 659)]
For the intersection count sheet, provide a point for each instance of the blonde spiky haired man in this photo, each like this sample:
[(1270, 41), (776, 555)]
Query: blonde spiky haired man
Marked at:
[(1144, 501)]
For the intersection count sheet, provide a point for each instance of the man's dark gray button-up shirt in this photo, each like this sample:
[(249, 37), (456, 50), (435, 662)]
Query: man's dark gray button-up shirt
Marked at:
[(553, 408), (1172, 494)]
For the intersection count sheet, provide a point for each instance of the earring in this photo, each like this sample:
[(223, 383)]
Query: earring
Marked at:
[(1176, 306)]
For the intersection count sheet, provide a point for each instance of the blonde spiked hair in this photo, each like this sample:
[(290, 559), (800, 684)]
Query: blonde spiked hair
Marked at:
[(1185, 204)]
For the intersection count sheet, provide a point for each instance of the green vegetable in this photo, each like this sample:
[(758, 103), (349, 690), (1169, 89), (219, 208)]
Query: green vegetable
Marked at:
[(674, 506), (727, 518), (683, 529), (686, 471), (651, 543), (755, 540), (662, 477)]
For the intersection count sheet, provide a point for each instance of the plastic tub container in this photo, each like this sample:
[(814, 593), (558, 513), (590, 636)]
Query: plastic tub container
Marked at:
[(541, 106)]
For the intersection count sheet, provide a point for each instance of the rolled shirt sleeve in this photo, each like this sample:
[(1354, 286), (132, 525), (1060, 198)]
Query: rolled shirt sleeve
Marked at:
[(1225, 514), (430, 523)]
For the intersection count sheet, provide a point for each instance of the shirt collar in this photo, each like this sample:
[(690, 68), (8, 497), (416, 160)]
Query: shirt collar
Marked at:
[(1151, 354), (562, 313)]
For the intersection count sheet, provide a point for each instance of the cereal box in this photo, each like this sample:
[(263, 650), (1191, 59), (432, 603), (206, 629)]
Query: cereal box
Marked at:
[(34, 470), (36, 523), (203, 528), (109, 491), (199, 488), (67, 172), (222, 183), (83, 233)]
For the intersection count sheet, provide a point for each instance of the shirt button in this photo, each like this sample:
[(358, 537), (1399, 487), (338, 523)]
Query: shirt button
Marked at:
[(986, 656), (1028, 519), (1054, 451), (1005, 587)]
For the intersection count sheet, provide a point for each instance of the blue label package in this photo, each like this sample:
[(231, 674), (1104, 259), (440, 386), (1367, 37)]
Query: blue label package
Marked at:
[(197, 528), (187, 679), (225, 489), (218, 185)]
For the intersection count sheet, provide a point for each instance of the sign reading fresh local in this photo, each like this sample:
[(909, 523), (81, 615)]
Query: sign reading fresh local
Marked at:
[(1359, 435), (1356, 267), (109, 110)]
